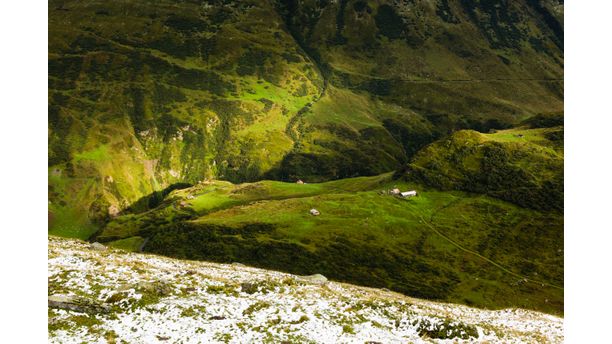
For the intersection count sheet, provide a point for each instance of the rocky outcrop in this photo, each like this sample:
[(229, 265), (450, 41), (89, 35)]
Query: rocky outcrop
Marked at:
[(96, 246), (316, 279), (189, 301), (77, 304)]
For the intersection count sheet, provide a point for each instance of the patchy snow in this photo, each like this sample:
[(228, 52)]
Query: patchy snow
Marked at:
[(162, 300)]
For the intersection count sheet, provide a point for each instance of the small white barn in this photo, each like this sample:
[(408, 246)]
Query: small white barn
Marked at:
[(410, 193), (314, 212)]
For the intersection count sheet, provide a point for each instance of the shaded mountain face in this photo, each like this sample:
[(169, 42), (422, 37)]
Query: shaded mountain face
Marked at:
[(145, 95)]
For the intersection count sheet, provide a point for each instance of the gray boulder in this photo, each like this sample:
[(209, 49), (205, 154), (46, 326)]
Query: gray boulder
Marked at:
[(158, 288), (249, 287), (96, 246), (316, 279), (76, 304)]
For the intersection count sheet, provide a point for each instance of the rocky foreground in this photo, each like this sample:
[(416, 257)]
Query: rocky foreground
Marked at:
[(103, 295)]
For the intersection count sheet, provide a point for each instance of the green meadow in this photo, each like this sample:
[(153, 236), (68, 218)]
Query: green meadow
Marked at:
[(443, 245)]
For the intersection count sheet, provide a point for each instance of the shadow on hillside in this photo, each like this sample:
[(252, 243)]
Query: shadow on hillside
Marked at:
[(153, 199)]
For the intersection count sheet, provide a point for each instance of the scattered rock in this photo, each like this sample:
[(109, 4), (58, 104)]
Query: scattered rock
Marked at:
[(316, 279), (249, 288), (314, 212), (285, 297), (188, 290), (76, 304), (162, 337), (116, 297), (113, 211), (159, 288), (52, 321), (96, 246)]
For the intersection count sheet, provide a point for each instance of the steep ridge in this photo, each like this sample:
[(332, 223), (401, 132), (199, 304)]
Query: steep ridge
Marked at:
[(143, 96), (523, 166)]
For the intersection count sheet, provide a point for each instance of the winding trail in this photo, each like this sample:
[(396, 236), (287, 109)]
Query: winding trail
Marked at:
[(433, 81), (292, 128)]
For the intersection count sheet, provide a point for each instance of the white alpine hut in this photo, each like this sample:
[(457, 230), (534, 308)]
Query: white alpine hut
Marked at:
[(410, 193)]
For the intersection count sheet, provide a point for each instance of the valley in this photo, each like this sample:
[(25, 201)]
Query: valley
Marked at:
[(144, 96), (442, 245), (276, 134)]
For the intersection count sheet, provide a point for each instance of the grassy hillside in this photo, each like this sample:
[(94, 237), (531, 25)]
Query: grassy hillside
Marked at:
[(437, 66), (143, 95), (451, 246), (521, 165), (457, 63)]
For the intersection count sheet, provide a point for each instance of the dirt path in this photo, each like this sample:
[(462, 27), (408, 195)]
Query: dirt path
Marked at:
[(501, 267), (293, 126), (433, 81)]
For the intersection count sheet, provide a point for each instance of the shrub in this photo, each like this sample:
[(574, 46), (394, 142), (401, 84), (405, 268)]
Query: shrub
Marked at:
[(388, 22)]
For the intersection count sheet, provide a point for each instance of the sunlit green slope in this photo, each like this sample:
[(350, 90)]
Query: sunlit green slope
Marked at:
[(444, 245), (146, 94), (523, 166)]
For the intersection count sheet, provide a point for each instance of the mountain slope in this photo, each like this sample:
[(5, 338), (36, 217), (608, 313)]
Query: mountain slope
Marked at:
[(443, 245), (143, 96), (521, 165), (159, 300)]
